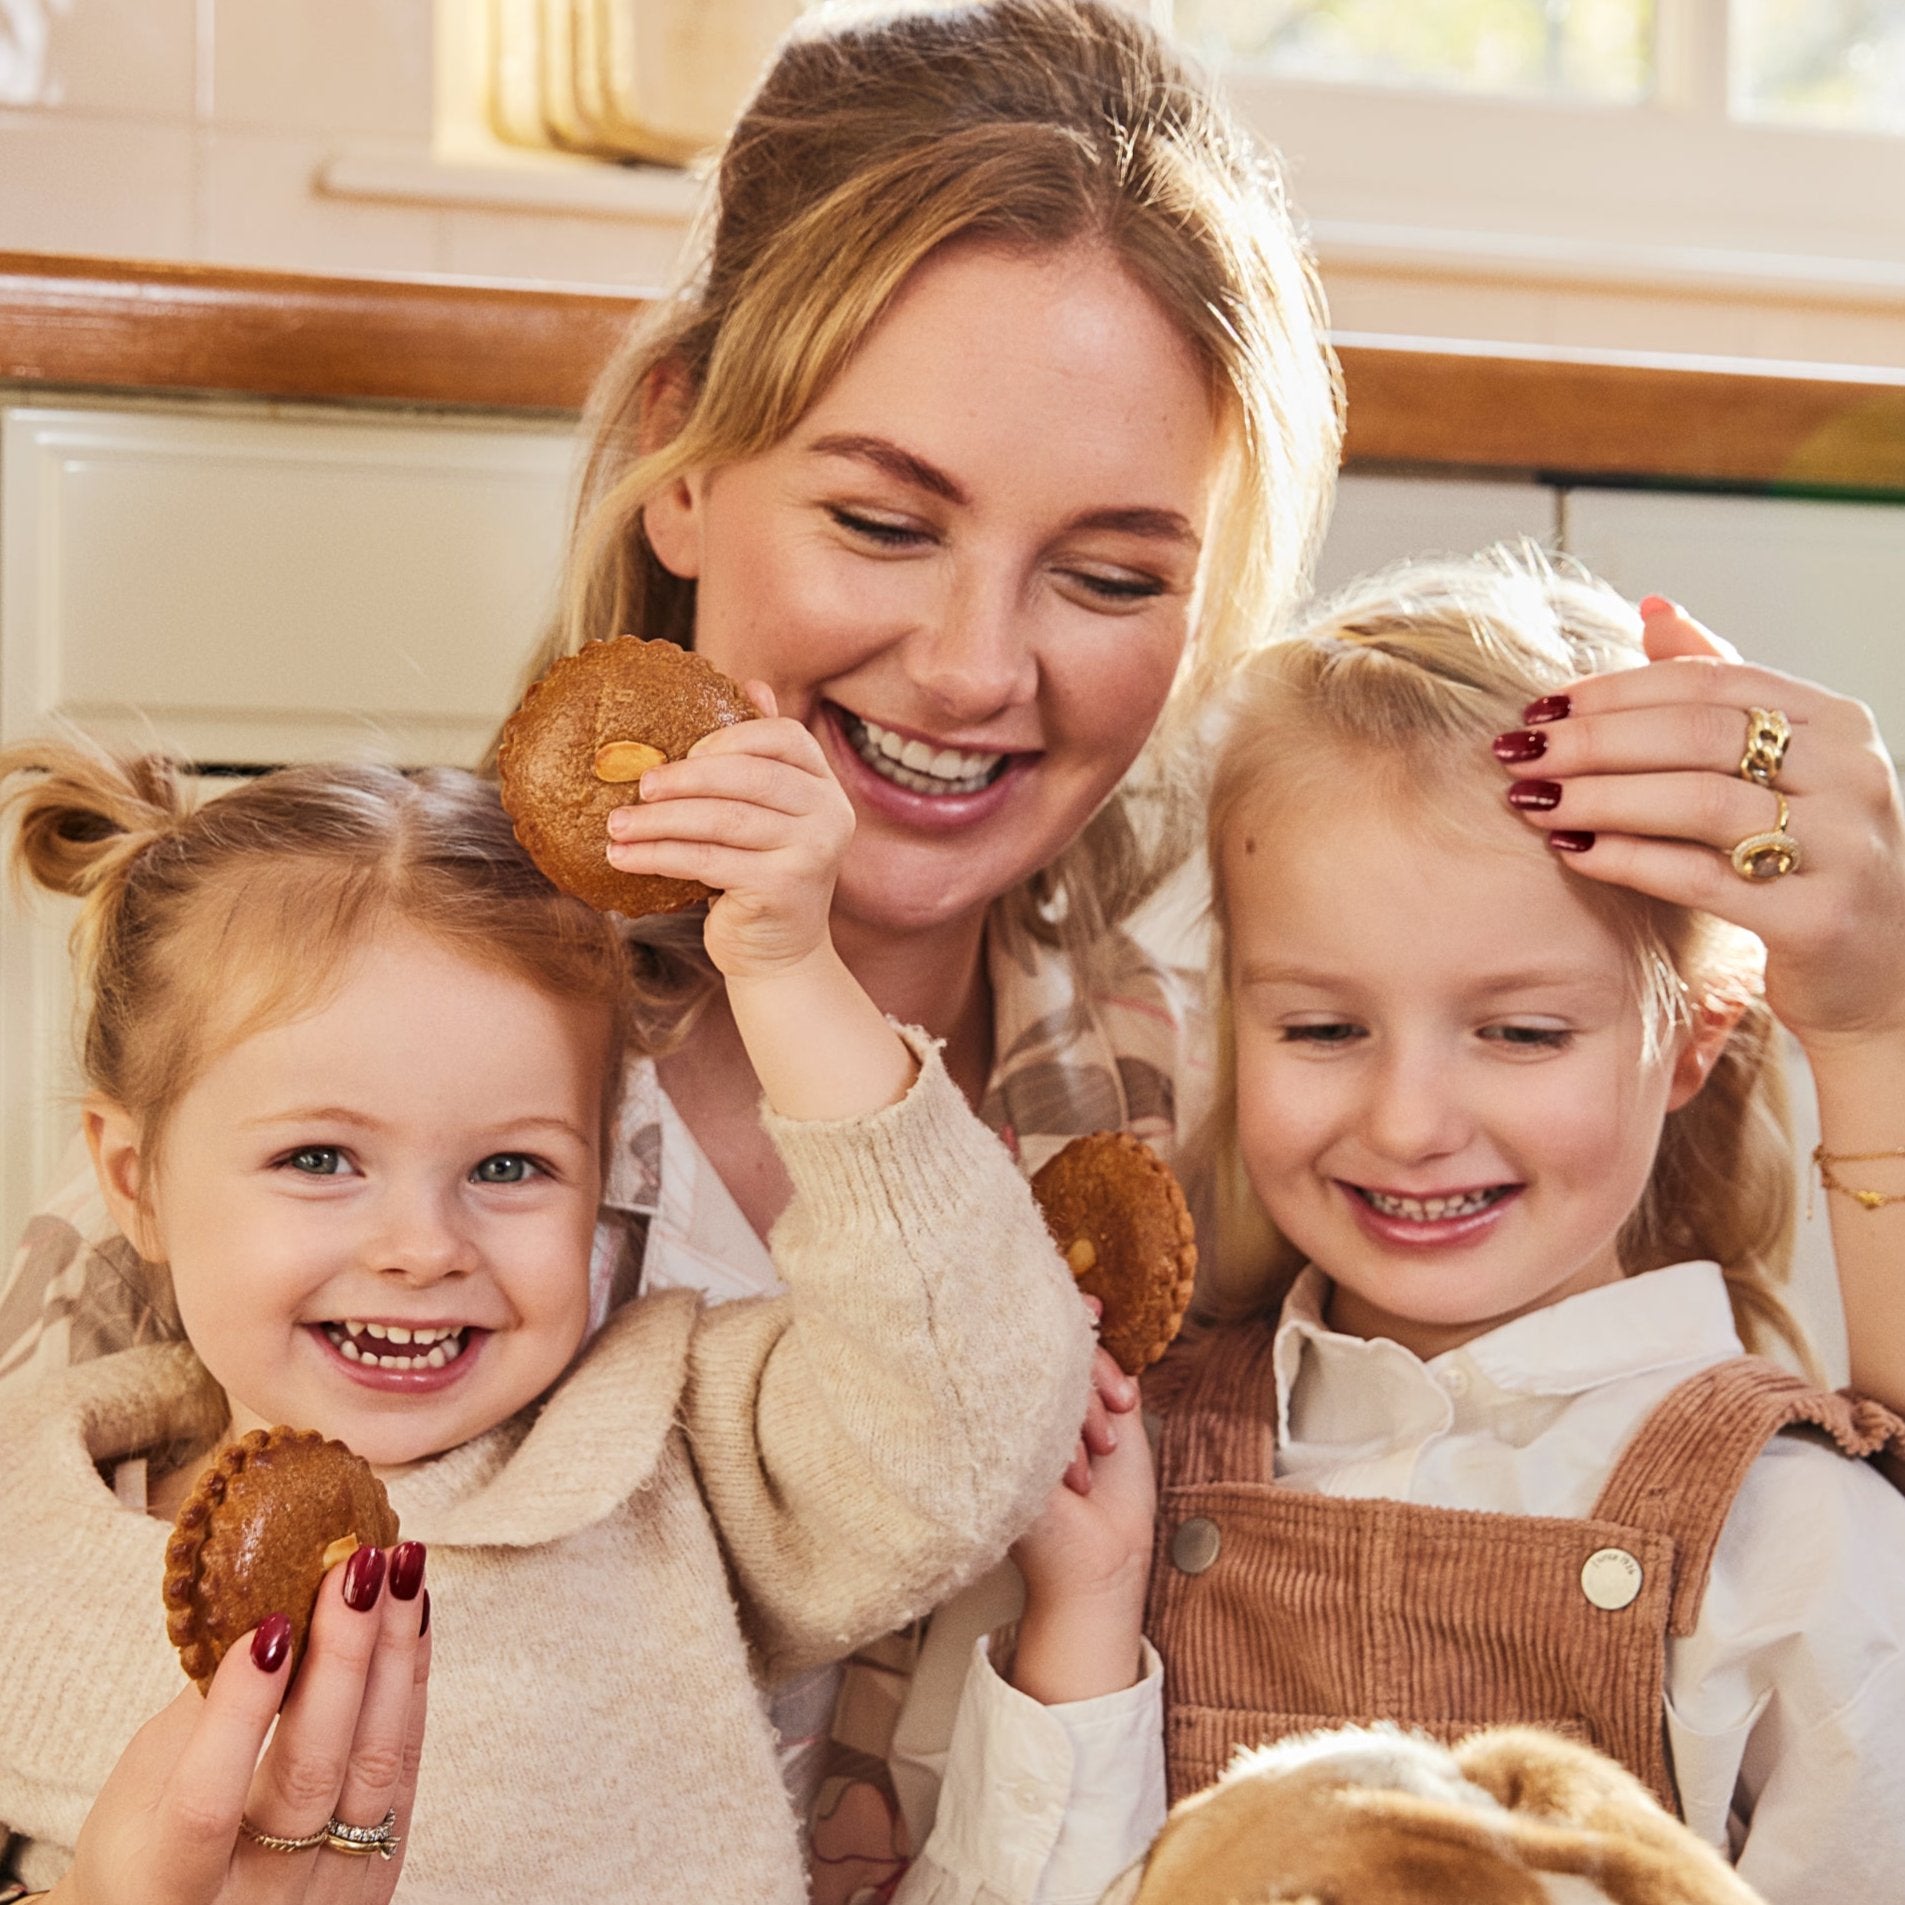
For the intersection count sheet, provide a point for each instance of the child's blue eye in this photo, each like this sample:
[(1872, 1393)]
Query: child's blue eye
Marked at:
[(506, 1167), (318, 1160)]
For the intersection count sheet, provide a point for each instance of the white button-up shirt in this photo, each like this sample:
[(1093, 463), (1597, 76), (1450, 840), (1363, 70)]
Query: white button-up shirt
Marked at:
[(1786, 1706)]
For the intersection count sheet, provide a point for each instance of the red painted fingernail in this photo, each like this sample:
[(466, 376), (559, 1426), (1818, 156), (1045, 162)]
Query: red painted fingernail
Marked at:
[(1547, 708), (1655, 605), (1538, 796), (406, 1569), (364, 1579), (1520, 746), (271, 1644), (1570, 840), (423, 1626)]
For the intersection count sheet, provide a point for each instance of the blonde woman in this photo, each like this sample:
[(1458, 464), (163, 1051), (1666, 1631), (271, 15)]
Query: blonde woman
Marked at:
[(993, 420)]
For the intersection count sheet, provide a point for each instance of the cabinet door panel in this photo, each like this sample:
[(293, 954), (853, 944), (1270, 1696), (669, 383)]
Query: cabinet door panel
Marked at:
[(1380, 519), (253, 588)]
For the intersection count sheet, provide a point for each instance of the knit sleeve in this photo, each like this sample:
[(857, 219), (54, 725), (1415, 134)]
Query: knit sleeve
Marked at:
[(874, 1439)]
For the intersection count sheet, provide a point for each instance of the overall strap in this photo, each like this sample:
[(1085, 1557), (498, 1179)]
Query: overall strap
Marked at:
[(1216, 1400), (1686, 1463)]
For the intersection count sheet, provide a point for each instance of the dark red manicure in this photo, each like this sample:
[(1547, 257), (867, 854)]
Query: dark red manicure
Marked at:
[(406, 1569), (364, 1579), (1520, 746), (423, 1626), (1548, 708), (1538, 796), (271, 1643), (1570, 840)]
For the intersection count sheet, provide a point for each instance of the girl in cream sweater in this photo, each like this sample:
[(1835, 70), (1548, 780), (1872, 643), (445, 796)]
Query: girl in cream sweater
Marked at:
[(352, 1070)]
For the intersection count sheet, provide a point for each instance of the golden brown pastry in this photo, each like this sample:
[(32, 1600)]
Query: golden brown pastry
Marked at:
[(1119, 1219), (584, 735), (273, 1512)]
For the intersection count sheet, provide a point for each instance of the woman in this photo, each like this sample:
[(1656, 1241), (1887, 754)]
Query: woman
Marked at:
[(996, 419)]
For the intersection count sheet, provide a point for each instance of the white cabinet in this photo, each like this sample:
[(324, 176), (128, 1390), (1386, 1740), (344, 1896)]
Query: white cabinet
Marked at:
[(1380, 519), (249, 585)]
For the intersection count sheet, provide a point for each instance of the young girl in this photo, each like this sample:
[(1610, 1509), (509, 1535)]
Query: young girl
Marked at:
[(1481, 1445), (353, 1066)]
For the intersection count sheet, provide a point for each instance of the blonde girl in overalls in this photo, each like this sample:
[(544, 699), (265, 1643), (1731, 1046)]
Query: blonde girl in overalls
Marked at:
[(1482, 1442)]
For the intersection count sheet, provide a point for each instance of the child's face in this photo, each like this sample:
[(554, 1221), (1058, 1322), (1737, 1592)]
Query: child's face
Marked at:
[(422, 1155), (1443, 1092)]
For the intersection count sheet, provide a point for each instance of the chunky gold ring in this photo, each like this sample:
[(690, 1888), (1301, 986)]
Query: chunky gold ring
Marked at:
[(275, 1842), (1768, 735), (361, 1841), (1768, 856)]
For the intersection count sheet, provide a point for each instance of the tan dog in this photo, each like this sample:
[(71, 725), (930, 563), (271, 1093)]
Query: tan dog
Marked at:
[(1374, 1816)]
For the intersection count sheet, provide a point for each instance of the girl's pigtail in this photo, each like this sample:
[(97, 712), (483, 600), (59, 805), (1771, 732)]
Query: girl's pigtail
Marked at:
[(82, 819)]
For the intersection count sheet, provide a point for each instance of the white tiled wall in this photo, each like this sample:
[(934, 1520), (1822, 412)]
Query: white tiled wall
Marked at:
[(198, 130)]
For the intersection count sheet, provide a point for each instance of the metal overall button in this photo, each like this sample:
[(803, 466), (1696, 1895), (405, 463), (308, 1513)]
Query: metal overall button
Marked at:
[(1611, 1578), (1195, 1544)]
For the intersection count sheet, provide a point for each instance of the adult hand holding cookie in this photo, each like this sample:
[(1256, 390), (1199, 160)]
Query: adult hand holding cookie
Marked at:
[(201, 1811)]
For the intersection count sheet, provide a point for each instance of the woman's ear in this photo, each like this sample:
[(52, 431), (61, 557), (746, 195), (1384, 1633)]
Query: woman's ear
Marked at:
[(1714, 1017), (112, 1136), (671, 518)]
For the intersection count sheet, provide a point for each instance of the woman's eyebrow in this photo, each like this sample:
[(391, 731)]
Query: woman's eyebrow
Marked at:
[(1163, 525), (900, 464)]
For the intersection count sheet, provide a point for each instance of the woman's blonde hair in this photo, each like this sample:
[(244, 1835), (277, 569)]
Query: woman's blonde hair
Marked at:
[(1029, 124), (204, 921), (1395, 683)]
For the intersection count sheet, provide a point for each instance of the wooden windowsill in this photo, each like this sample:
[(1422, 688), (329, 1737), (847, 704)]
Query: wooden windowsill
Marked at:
[(108, 325)]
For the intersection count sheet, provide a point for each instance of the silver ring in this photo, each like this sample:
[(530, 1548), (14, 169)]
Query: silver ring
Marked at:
[(360, 1841)]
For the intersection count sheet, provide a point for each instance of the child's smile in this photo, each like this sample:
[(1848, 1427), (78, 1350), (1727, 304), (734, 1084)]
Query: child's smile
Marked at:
[(378, 1216), (1445, 1093)]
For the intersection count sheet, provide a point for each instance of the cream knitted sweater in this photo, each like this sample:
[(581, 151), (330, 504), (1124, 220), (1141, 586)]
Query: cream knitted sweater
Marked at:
[(709, 1500)]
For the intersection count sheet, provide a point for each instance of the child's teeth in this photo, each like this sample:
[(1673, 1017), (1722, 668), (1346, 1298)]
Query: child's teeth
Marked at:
[(350, 1349), (437, 1357)]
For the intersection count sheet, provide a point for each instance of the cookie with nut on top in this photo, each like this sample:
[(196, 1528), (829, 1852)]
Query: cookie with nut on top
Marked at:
[(577, 747), (269, 1518)]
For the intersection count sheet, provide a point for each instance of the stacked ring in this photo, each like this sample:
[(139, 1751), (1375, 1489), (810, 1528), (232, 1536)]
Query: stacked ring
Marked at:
[(276, 1842), (360, 1841)]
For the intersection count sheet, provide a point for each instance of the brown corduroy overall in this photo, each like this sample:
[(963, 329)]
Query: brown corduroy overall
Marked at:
[(1278, 1610)]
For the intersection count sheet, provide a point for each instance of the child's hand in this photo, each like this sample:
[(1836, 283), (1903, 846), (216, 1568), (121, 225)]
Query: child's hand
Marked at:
[(165, 1828), (1087, 1559), (754, 812)]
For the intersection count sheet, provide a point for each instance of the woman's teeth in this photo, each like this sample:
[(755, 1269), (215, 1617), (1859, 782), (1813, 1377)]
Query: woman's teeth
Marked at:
[(402, 1348), (919, 768), (1429, 1210)]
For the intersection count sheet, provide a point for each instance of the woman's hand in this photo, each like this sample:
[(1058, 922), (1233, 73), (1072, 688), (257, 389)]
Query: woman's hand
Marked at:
[(165, 1829), (754, 811), (1087, 1559), (1635, 776)]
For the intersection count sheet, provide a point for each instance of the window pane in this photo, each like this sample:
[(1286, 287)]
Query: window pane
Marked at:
[(1821, 62), (1582, 49)]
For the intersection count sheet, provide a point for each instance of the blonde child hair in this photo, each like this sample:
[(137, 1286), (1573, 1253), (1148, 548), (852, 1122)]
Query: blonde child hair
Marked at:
[(1396, 685), (204, 921), (1031, 124)]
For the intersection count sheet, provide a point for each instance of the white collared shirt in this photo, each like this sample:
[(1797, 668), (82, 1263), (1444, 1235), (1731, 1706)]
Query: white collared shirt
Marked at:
[(1786, 1705)]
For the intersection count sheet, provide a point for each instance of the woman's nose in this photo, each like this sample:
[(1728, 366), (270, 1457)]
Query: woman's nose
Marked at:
[(975, 658)]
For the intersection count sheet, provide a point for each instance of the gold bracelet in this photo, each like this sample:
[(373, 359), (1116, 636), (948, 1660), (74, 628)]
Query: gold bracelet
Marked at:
[(1867, 1200)]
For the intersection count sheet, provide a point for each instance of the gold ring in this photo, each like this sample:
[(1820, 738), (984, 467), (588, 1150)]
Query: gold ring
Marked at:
[(360, 1841), (1768, 735), (1768, 856), (274, 1842)]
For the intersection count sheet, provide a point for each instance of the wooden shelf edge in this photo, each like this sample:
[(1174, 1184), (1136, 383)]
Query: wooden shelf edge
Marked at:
[(113, 325)]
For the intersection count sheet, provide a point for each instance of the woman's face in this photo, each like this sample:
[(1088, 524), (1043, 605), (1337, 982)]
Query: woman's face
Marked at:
[(970, 568)]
